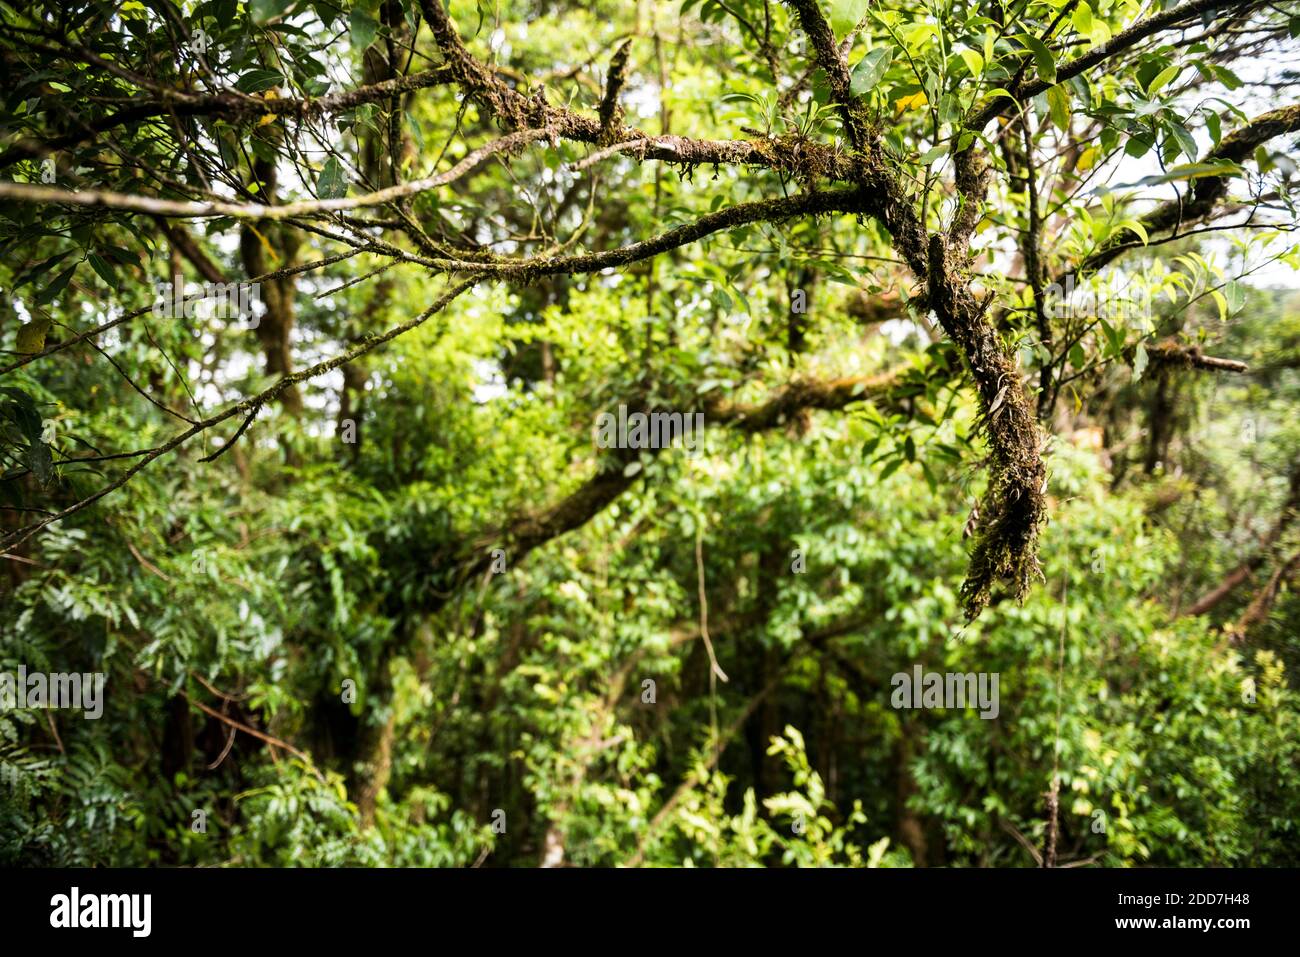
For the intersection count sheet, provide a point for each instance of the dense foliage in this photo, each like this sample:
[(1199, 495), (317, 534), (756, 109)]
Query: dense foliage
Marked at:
[(386, 602)]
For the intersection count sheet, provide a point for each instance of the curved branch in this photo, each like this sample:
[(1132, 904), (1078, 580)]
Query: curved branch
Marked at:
[(1207, 192), (516, 111), (1125, 39), (104, 199), (768, 210), (522, 535), (228, 103), (1171, 353)]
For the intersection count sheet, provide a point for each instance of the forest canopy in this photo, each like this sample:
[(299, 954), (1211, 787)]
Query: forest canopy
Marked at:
[(706, 433)]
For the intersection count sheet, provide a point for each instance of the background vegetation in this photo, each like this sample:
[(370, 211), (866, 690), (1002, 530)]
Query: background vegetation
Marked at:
[(678, 659)]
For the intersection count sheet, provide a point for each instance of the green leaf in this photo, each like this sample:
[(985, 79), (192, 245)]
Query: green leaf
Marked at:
[(31, 337), (973, 60), (25, 412), (56, 286), (1137, 227), (1114, 338), (1235, 294), (1214, 126), (1262, 159), (1139, 361), (255, 81), (845, 15), (1043, 58), (1226, 76), (930, 479), (1139, 145), (40, 269), (893, 466), (332, 182), (132, 257), (1162, 78), (1058, 102), (933, 154), (40, 462), (362, 28), (1082, 19), (1221, 301), (869, 70), (104, 268), (263, 10), (1185, 141)]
